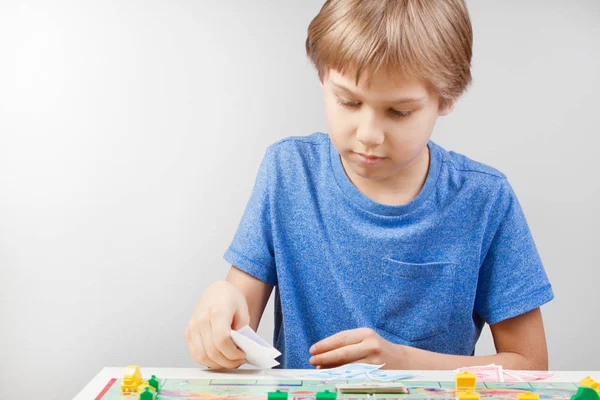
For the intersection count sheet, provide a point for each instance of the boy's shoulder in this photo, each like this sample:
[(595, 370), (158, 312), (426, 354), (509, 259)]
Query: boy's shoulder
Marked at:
[(300, 142), (463, 164), (293, 151), (476, 178)]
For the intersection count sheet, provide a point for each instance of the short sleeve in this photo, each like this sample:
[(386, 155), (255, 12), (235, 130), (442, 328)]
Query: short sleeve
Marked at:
[(512, 279), (252, 247)]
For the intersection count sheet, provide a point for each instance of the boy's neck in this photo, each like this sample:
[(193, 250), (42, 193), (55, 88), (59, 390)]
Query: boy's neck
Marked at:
[(398, 189)]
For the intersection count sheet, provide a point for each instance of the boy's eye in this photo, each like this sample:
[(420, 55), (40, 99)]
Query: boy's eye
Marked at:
[(402, 114), (346, 103), (354, 104)]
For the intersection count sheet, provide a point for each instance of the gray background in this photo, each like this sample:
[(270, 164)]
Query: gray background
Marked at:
[(131, 132)]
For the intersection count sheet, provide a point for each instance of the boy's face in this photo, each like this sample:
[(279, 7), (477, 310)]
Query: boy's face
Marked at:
[(379, 129)]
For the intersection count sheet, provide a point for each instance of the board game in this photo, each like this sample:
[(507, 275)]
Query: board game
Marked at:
[(247, 389)]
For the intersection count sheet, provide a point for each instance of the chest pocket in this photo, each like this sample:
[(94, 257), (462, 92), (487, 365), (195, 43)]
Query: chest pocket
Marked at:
[(415, 300)]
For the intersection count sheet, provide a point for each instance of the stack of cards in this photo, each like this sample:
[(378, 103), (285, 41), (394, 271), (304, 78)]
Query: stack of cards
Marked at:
[(358, 372), (389, 376), (258, 352), (495, 373), (525, 376), (345, 372), (486, 373)]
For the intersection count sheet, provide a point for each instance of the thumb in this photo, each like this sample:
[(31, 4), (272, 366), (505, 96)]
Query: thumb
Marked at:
[(241, 317)]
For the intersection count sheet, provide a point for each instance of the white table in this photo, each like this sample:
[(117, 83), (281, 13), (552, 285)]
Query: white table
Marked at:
[(99, 382)]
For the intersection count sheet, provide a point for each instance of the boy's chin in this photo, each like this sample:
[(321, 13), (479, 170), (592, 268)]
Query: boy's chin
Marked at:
[(374, 173)]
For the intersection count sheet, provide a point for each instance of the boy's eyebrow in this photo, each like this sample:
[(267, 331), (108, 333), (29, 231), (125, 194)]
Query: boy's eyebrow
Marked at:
[(393, 101)]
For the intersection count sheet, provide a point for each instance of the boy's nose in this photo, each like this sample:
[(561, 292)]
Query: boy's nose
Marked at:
[(370, 135)]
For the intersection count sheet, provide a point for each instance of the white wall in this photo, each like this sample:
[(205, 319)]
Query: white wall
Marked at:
[(131, 132)]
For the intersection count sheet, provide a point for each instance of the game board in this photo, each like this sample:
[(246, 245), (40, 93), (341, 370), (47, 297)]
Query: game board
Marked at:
[(241, 389)]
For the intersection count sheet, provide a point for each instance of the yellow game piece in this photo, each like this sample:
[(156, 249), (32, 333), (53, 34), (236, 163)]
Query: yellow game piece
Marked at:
[(528, 396), (131, 379), (465, 380), (589, 382), (468, 395), (144, 385)]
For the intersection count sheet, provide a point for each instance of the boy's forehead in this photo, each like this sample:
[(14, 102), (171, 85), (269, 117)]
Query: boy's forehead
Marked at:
[(380, 84)]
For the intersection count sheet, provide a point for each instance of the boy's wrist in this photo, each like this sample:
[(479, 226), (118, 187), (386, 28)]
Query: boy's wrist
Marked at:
[(401, 358)]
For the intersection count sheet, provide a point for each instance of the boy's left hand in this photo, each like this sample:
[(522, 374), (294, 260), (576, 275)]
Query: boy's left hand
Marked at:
[(362, 345)]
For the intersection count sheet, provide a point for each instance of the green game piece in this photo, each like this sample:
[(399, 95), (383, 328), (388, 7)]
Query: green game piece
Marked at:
[(278, 395), (154, 383), (327, 395), (147, 395), (585, 393)]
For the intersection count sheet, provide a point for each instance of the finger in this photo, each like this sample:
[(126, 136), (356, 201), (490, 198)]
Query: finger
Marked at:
[(340, 339), (197, 351), (340, 356), (221, 333), (212, 351)]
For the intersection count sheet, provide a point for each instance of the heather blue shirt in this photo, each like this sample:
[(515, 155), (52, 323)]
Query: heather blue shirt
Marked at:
[(427, 274)]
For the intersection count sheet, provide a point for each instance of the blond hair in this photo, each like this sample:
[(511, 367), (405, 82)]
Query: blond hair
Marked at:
[(429, 39)]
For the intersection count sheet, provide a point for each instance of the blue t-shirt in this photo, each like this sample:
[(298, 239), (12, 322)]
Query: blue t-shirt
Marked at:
[(427, 274)]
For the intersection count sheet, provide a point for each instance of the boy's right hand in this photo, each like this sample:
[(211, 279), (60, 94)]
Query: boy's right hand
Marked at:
[(221, 308)]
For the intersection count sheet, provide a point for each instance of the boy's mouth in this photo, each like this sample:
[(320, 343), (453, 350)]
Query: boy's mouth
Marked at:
[(369, 159)]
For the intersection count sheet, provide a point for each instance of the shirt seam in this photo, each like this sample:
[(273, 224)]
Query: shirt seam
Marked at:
[(499, 176), (299, 139)]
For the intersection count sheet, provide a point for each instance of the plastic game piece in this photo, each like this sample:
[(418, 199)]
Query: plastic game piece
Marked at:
[(465, 380), (131, 379), (585, 393), (277, 395), (589, 382), (528, 396), (154, 382), (371, 388), (326, 395), (147, 394), (468, 395), (143, 386)]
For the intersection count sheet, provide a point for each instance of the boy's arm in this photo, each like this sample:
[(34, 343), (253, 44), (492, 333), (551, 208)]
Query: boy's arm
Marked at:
[(223, 306), (520, 344), (255, 291)]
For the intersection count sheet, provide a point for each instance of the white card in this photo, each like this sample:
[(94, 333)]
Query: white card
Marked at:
[(345, 372), (258, 352)]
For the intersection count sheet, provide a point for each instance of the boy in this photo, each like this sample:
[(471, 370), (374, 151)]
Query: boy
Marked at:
[(382, 246)]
